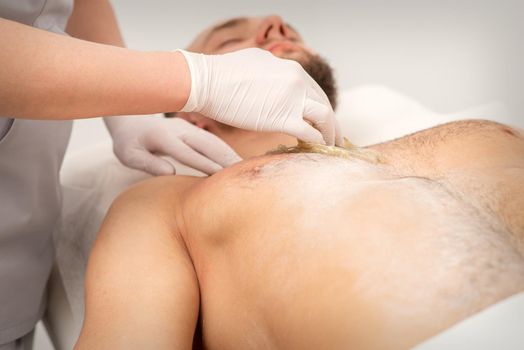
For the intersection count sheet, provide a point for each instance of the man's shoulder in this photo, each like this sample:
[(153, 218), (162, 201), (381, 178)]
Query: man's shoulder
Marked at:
[(160, 194), (162, 185)]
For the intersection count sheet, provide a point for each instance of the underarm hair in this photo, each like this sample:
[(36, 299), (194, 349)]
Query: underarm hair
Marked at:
[(347, 151)]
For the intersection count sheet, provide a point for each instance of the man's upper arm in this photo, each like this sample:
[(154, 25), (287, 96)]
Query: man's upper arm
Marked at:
[(141, 288), (461, 145), (480, 158)]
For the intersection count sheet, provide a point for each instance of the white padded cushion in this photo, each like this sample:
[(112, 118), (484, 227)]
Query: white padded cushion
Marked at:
[(497, 327), (372, 114)]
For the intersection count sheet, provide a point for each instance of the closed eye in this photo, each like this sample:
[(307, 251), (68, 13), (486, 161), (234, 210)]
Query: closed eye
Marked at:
[(229, 42)]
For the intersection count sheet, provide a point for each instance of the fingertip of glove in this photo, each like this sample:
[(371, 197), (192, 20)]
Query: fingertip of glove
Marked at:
[(228, 160), (162, 169), (310, 134), (234, 159)]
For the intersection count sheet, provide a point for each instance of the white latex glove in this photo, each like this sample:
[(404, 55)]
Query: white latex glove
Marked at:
[(252, 89), (139, 142)]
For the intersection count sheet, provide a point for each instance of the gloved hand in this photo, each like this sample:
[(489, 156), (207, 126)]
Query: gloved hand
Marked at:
[(138, 143), (252, 89)]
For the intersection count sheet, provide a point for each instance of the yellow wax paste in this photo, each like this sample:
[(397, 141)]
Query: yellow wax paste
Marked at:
[(347, 151)]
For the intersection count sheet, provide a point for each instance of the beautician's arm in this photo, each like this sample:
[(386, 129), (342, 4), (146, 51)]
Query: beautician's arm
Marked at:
[(141, 287), (49, 76), (137, 142), (94, 20)]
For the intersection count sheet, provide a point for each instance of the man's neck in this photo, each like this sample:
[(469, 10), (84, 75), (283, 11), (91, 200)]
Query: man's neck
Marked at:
[(250, 144)]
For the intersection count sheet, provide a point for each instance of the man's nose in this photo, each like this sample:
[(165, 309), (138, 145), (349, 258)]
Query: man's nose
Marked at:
[(272, 28)]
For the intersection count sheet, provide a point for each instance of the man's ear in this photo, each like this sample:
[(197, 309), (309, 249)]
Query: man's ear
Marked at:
[(197, 119)]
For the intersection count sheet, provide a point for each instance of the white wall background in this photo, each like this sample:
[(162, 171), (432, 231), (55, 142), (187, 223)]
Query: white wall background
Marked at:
[(450, 55)]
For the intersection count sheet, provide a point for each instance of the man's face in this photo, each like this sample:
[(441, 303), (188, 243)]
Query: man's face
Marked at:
[(269, 33)]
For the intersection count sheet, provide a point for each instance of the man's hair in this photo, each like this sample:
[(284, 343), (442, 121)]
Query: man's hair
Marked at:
[(318, 68)]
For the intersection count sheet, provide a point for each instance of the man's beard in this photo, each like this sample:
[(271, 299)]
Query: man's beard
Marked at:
[(319, 70)]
